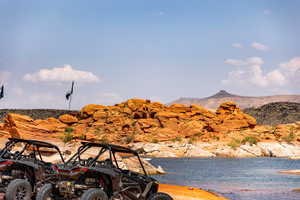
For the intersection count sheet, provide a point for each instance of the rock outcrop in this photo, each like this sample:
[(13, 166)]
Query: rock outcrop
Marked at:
[(22, 126), (158, 130), (135, 120), (276, 113)]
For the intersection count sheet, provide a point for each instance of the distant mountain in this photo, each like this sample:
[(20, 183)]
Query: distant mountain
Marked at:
[(212, 102)]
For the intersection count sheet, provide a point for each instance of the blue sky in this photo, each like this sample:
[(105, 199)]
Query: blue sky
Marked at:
[(159, 50)]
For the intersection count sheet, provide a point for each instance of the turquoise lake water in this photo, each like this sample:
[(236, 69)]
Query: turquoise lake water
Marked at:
[(237, 179)]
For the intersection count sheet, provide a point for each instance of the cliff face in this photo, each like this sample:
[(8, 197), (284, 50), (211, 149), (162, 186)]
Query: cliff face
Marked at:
[(222, 96), (135, 120)]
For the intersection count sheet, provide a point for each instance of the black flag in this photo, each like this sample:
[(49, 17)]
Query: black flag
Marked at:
[(69, 93), (2, 92)]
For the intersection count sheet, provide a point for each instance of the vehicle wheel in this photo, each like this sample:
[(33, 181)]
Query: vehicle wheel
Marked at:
[(94, 194), (45, 193), (18, 189), (160, 196)]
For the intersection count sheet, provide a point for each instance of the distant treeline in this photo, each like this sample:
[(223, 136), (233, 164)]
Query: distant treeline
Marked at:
[(36, 113)]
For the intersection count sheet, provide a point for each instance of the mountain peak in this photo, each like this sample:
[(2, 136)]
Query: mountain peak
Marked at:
[(222, 94)]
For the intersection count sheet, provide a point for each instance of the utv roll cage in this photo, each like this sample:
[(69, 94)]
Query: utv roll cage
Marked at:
[(35, 144), (103, 147)]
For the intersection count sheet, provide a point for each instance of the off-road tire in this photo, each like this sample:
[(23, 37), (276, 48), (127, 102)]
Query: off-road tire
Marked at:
[(94, 193), (160, 196), (18, 189), (44, 192)]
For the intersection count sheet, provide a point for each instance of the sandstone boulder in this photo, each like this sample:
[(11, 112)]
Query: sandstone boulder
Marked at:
[(90, 109), (135, 104), (68, 119)]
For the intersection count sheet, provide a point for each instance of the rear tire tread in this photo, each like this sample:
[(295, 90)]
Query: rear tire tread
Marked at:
[(13, 186), (94, 193), (44, 192), (160, 196)]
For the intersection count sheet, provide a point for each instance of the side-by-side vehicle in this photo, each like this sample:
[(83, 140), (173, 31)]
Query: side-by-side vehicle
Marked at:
[(23, 167), (96, 172)]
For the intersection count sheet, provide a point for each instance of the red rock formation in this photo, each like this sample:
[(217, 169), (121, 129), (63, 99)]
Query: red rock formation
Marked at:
[(133, 120)]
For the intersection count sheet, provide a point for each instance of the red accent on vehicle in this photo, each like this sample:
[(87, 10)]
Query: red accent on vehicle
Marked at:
[(80, 170), (60, 170), (5, 164)]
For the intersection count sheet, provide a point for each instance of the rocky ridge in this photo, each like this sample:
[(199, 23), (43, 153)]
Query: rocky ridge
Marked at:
[(275, 113), (135, 120), (158, 130)]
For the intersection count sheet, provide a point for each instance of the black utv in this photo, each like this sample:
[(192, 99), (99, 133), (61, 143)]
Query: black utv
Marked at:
[(95, 173), (22, 167)]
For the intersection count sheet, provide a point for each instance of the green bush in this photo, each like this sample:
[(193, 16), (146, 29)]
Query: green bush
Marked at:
[(67, 137), (250, 139), (82, 137), (69, 130), (104, 140), (99, 131), (290, 137), (154, 140), (192, 140), (129, 138), (177, 139), (234, 143)]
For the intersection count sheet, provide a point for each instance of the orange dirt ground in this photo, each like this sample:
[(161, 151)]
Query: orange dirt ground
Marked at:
[(188, 193)]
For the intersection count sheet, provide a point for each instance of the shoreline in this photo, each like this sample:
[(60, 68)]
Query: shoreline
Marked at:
[(217, 150)]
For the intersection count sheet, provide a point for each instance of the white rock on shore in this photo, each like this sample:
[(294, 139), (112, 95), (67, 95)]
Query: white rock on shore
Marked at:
[(208, 150)]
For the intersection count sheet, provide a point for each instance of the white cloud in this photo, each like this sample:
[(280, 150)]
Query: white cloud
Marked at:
[(291, 69), (248, 61), (234, 62), (293, 65), (237, 45), (276, 77), (285, 77), (260, 46), (267, 12), (4, 76), (61, 74)]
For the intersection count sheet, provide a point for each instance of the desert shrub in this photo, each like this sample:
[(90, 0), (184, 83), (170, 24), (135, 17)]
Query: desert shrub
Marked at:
[(234, 143), (154, 140), (69, 130), (192, 140), (99, 131), (133, 123), (104, 140), (215, 137), (273, 130), (250, 139), (290, 137), (177, 139), (68, 136), (243, 129), (129, 139), (82, 137)]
